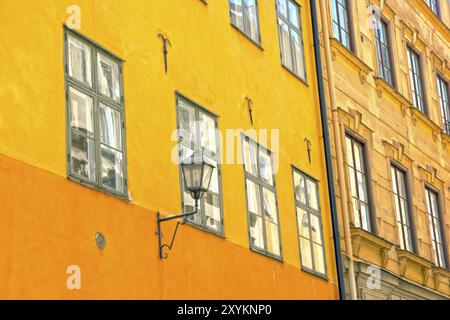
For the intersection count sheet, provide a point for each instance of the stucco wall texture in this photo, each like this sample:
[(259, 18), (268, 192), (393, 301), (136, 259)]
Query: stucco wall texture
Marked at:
[(48, 222)]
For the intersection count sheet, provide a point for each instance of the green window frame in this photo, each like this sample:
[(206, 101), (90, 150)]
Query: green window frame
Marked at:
[(96, 144), (261, 198), (245, 17), (309, 223), (290, 36), (436, 227), (198, 131)]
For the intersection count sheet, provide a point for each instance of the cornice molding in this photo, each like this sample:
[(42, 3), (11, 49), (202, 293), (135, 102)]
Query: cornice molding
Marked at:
[(337, 49), (383, 87)]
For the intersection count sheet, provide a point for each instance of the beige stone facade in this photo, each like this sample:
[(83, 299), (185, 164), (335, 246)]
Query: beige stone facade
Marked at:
[(392, 131)]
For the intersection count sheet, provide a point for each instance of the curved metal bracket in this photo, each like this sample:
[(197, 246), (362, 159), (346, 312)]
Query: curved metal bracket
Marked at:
[(160, 220)]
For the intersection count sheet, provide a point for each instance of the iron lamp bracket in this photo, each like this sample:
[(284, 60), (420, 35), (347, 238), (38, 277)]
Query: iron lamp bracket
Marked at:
[(164, 255)]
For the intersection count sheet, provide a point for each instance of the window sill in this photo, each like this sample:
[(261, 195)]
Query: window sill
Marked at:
[(256, 43), (338, 49), (94, 187), (314, 273), (416, 115), (408, 261), (210, 231), (365, 239), (445, 139), (441, 277), (433, 17), (267, 254), (304, 81), (384, 87)]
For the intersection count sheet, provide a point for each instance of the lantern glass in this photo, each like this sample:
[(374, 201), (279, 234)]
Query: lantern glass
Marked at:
[(207, 173), (192, 176)]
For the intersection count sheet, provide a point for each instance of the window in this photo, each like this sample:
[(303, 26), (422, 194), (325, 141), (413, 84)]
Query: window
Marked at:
[(402, 208), (95, 113), (262, 204), (197, 132), (358, 183), (415, 73), (309, 222), (290, 36), (383, 51), (444, 102), (434, 6), (434, 220), (340, 12), (244, 16)]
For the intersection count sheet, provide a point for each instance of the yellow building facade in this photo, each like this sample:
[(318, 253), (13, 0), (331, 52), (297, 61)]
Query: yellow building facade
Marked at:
[(88, 119), (388, 77)]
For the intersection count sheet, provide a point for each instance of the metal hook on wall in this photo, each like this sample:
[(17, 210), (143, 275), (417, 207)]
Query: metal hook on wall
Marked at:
[(166, 42), (308, 145), (250, 108)]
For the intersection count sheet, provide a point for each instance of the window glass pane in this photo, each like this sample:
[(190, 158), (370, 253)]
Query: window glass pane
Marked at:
[(285, 45), (305, 251), (108, 77), (236, 13), (299, 188), (358, 157), (251, 19), (82, 156), (356, 215), (298, 54), (313, 200), (82, 112), (208, 133), (401, 183), (256, 232), (270, 206), (362, 187), (316, 231), (265, 167), (212, 211), (319, 259), (303, 222), (365, 217), (110, 127), (112, 169), (79, 60), (253, 198), (348, 143), (189, 206), (273, 240), (250, 158), (282, 7), (186, 116), (407, 238), (294, 17), (352, 178)]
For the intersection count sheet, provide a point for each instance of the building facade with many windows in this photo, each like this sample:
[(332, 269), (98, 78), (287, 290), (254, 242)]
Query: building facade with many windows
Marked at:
[(99, 98), (388, 77)]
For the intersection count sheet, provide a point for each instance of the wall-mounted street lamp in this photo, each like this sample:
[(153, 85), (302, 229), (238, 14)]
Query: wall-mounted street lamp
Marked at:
[(197, 173)]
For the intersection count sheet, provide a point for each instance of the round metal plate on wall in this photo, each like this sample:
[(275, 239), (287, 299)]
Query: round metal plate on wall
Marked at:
[(100, 240)]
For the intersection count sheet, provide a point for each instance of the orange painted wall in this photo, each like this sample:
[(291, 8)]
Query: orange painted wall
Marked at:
[(41, 235)]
